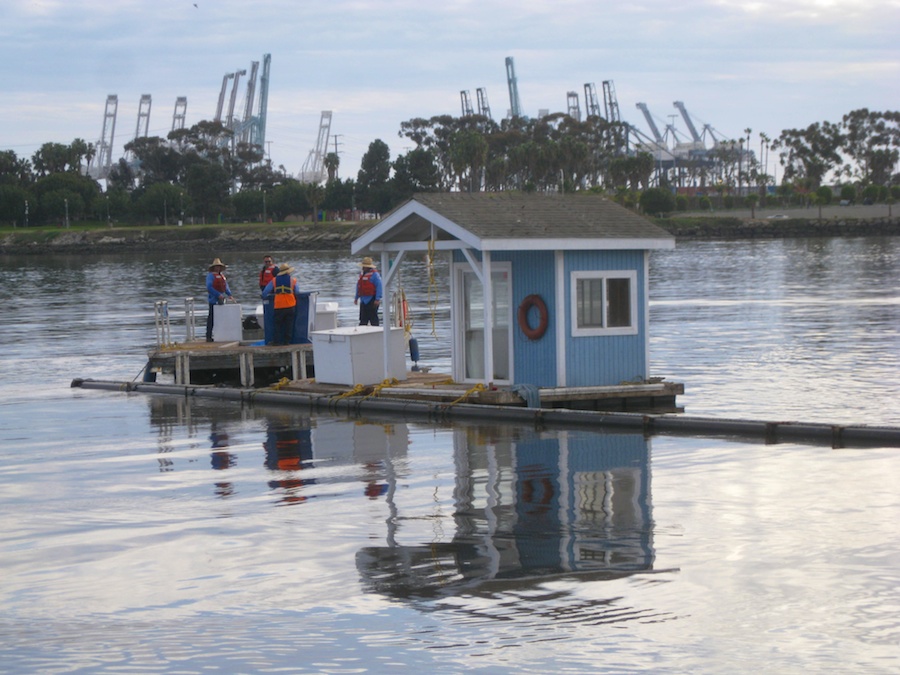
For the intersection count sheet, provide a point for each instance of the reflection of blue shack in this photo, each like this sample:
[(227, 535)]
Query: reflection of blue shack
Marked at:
[(531, 507), (598, 511)]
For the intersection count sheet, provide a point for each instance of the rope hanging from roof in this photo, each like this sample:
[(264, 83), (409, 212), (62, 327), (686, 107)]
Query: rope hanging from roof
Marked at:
[(432, 286)]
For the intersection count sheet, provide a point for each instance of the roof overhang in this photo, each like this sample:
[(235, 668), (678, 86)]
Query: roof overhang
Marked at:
[(414, 226)]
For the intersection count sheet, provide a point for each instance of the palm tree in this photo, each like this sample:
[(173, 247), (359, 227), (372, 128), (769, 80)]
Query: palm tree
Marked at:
[(748, 131), (332, 162)]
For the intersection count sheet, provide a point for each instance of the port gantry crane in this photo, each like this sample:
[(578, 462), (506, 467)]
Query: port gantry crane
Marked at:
[(574, 106), (465, 99), (651, 123), (180, 113), (466, 103), (591, 104), (249, 128), (313, 170), (143, 118), (515, 105), (99, 167), (483, 108), (618, 140), (222, 92)]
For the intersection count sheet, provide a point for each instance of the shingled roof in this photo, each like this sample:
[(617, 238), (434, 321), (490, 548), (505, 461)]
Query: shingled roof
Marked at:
[(512, 221)]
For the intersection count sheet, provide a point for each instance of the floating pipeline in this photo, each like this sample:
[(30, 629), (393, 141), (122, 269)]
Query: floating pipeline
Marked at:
[(833, 435)]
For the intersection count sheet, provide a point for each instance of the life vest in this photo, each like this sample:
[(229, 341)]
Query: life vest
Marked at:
[(365, 287), (265, 276), (284, 291), (219, 282)]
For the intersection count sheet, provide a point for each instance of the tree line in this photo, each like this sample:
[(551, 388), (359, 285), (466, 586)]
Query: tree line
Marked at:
[(201, 174)]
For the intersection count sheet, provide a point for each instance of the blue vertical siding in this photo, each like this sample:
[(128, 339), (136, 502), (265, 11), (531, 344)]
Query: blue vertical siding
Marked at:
[(605, 360), (534, 361), (590, 361)]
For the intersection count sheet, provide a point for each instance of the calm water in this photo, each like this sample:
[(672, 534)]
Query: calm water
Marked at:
[(154, 534)]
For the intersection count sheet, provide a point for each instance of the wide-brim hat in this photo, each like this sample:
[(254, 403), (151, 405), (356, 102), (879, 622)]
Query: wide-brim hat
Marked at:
[(367, 262), (217, 263), (285, 269)]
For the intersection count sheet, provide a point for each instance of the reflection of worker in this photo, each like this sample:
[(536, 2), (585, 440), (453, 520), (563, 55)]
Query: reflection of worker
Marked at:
[(267, 273), (368, 293), (283, 288), (221, 459), (288, 451), (218, 290)]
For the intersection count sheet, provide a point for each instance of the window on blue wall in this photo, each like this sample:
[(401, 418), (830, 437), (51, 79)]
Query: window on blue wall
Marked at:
[(604, 303)]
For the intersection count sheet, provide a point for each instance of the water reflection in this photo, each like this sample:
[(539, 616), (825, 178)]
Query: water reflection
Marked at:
[(527, 507), (500, 505), (289, 450)]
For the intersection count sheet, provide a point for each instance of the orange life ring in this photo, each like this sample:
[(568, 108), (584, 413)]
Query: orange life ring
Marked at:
[(537, 302)]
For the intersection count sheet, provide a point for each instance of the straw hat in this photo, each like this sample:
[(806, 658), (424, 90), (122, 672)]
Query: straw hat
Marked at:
[(285, 269), (217, 263), (367, 262)]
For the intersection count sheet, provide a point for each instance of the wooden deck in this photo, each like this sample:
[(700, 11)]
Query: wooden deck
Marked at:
[(440, 388), (241, 363)]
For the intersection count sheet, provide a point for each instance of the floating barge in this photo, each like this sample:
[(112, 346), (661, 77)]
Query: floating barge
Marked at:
[(246, 365), (355, 403)]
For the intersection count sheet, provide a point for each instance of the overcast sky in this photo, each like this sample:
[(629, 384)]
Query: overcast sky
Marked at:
[(763, 65)]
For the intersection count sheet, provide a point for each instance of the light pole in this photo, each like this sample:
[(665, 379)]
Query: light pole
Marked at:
[(66, 200), (264, 208)]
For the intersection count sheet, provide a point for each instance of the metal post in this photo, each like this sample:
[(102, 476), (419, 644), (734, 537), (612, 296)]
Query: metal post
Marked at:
[(66, 200), (246, 365), (161, 319), (189, 319)]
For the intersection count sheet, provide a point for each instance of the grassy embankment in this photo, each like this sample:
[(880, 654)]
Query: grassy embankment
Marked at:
[(99, 237)]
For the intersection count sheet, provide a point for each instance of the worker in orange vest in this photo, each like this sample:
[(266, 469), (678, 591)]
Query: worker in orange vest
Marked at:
[(283, 288)]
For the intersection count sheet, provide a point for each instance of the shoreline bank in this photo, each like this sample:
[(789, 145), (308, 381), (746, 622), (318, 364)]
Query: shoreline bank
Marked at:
[(338, 236)]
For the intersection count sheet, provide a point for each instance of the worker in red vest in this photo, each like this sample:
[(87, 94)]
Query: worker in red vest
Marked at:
[(267, 273), (368, 293), (217, 289), (284, 291)]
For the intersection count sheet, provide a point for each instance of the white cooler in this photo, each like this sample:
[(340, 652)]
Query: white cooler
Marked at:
[(354, 355), (326, 315), (227, 323)]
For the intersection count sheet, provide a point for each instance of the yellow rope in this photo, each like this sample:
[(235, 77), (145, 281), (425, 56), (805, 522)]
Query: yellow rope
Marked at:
[(477, 387), (389, 382), (281, 384), (432, 285), (357, 389)]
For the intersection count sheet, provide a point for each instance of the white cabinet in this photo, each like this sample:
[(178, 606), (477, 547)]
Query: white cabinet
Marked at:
[(355, 355)]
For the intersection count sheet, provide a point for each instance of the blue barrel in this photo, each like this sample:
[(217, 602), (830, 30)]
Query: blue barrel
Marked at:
[(304, 317)]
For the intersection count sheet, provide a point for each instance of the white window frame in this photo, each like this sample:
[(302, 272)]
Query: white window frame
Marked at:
[(604, 275)]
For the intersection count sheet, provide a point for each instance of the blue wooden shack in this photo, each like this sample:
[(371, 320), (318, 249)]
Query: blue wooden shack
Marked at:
[(562, 280)]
